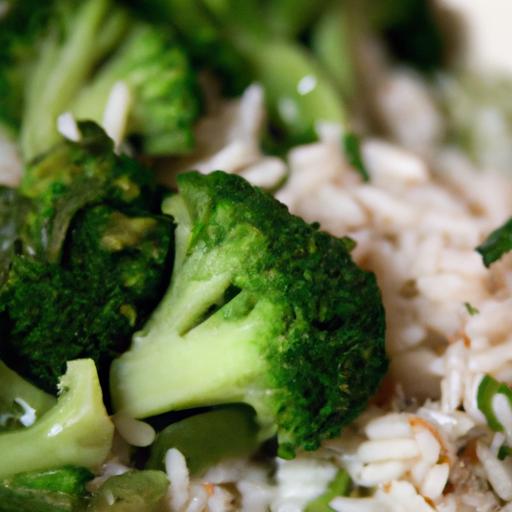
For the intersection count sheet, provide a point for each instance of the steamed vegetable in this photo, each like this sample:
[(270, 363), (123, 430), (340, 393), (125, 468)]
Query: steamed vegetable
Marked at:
[(339, 486), (498, 243), (66, 56), (254, 41), (75, 431), (259, 301), (21, 403), (208, 438), (93, 243), (135, 491), (56, 490)]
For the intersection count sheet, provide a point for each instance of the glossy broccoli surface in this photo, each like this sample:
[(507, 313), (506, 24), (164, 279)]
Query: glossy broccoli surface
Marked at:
[(75, 431), (134, 491), (21, 403), (66, 56), (93, 260), (54, 490), (263, 309)]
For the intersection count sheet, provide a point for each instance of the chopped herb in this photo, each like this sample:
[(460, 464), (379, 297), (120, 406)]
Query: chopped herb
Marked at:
[(339, 486), (488, 388), (352, 148), (504, 452), (497, 244), (472, 311)]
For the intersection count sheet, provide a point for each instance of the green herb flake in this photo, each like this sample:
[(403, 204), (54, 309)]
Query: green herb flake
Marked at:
[(472, 311), (352, 149), (339, 486), (488, 388), (498, 243)]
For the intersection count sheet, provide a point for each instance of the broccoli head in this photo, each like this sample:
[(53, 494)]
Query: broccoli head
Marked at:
[(262, 309), (66, 56), (75, 431), (93, 262)]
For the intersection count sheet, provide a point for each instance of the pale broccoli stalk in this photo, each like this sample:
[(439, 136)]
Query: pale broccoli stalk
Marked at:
[(71, 63), (76, 431), (163, 105), (21, 403), (63, 65), (262, 309)]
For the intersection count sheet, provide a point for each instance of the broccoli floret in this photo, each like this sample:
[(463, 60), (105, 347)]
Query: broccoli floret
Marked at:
[(55, 490), (94, 261), (72, 176), (76, 431), (250, 41), (209, 47), (263, 309), (67, 55)]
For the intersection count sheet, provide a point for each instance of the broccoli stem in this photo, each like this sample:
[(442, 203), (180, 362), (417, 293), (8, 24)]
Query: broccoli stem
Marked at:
[(58, 490), (224, 354), (76, 431), (332, 44), (208, 438), (60, 72), (298, 91), (14, 388)]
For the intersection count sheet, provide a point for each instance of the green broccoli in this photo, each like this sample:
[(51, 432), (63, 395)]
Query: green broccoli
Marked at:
[(251, 42), (207, 438), (263, 309), (134, 491), (208, 46), (21, 403), (93, 262), (13, 209), (65, 56), (75, 431), (54, 490), (410, 30)]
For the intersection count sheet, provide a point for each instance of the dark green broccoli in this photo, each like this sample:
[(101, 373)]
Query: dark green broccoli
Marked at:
[(76, 431), (410, 30), (93, 260), (71, 176), (66, 55), (13, 209), (54, 490), (263, 309), (206, 42)]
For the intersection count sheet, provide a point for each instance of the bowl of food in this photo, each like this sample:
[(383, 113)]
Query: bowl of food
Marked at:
[(255, 256)]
